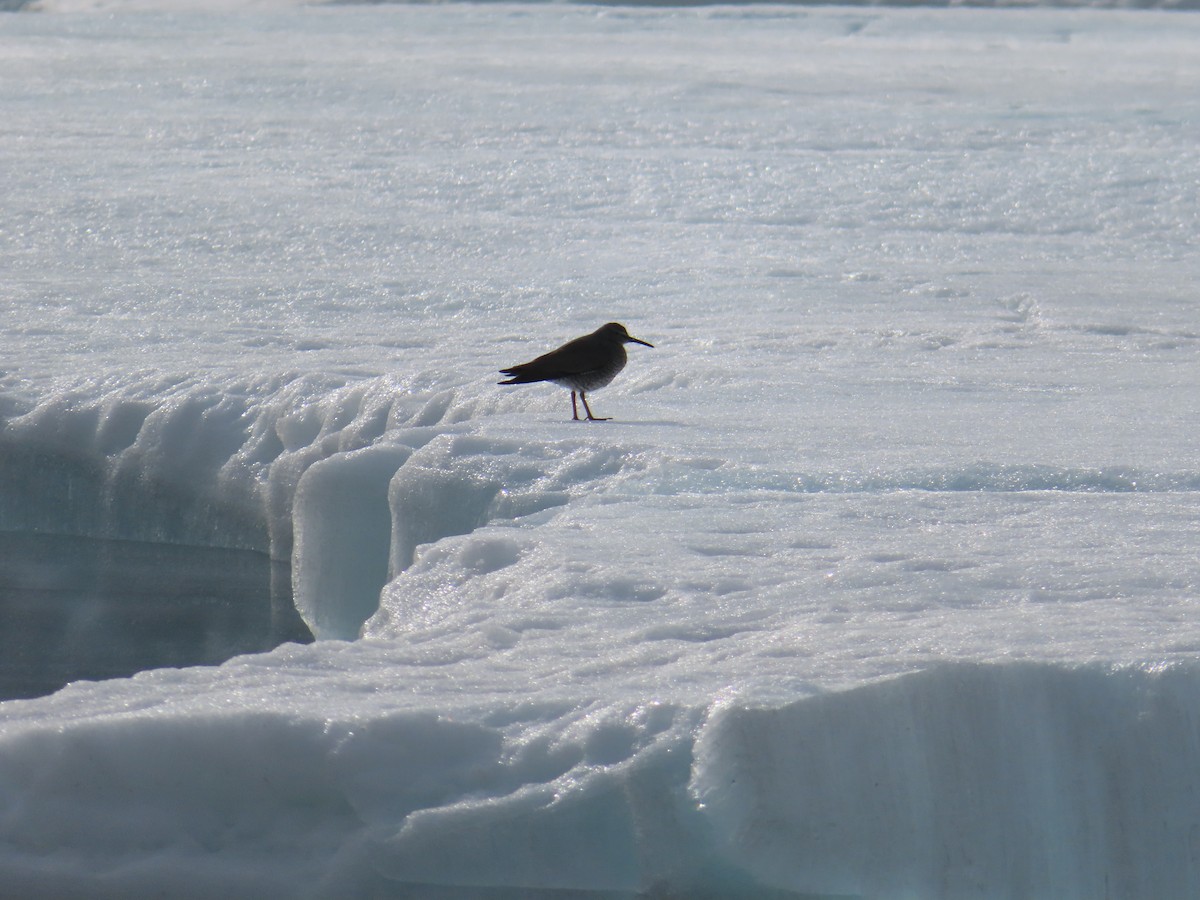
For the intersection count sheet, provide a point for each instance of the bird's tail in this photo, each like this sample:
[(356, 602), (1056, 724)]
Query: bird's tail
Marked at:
[(518, 377)]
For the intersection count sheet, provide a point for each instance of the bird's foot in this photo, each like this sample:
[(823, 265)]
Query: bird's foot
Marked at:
[(587, 409)]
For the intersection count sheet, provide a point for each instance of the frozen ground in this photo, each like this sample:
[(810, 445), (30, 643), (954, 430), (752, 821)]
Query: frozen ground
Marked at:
[(881, 583)]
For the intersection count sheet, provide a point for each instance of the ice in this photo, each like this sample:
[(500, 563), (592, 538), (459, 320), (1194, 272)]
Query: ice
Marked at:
[(880, 583), (868, 782), (342, 520)]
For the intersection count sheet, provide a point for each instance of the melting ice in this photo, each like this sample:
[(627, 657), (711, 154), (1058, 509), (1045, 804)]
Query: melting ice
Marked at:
[(881, 583)]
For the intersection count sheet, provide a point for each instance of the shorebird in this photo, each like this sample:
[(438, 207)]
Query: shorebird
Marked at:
[(582, 365)]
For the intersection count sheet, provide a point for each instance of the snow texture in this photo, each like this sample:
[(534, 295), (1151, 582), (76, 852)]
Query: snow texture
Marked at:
[(881, 582)]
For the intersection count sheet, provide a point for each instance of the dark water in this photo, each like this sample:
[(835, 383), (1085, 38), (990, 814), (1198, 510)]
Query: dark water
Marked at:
[(79, 608)]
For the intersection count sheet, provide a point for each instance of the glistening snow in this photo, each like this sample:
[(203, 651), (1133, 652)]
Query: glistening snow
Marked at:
[(881, 583)]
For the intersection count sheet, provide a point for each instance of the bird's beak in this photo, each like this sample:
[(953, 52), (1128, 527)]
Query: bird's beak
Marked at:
[(643, 343)]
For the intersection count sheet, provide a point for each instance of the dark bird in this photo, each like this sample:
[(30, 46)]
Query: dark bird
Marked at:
[(582, 365)]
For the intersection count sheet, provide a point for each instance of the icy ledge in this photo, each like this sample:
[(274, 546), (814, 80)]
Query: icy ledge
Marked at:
[(341, 483), (336, 484), (1017, 780), (200, 463)]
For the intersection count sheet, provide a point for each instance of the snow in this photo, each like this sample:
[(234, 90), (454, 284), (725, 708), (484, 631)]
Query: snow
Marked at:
[(880, 583)]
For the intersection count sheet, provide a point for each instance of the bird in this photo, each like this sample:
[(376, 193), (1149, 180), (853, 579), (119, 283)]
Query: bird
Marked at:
[(582, 365)]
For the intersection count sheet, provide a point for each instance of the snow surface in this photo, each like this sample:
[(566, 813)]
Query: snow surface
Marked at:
[(881, 583)]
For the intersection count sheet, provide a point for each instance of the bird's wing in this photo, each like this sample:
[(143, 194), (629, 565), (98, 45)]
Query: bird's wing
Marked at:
[(572, 358)]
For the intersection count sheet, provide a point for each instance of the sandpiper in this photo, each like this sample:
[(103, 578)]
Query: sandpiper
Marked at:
[(582, 365)]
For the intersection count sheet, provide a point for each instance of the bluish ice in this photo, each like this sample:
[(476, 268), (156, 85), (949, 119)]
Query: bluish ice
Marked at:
[(882, 582)]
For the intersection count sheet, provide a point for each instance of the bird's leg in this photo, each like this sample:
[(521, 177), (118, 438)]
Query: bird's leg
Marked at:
[(575, 408), (592, 418)]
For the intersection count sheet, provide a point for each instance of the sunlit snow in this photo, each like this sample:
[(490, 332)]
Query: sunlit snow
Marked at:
[(881, 583)]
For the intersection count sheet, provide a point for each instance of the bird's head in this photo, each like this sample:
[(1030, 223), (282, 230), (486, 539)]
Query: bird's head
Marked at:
[(617, 332)]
